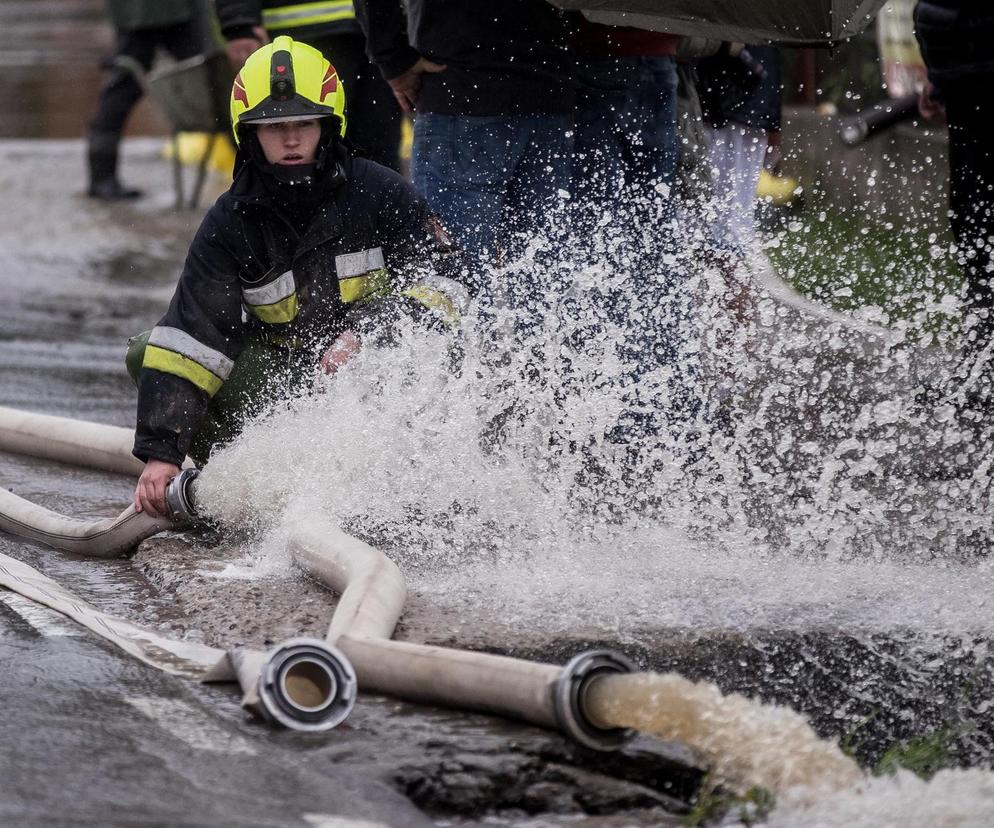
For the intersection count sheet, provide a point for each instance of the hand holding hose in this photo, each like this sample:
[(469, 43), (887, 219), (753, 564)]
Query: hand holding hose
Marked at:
[(150, 493)]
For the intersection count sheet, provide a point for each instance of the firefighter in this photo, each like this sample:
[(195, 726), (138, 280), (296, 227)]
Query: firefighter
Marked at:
[(310, 255)]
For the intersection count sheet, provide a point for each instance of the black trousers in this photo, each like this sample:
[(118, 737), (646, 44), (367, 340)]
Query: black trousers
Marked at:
[(121, 91), (969, 114), (372, 113)]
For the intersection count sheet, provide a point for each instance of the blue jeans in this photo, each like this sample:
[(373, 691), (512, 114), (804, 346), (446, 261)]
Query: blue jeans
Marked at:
[(625, 125), (490, 177)]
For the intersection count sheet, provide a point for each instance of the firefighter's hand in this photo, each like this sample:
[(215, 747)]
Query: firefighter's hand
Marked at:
[(240, 48), (150, 494), (407, 86), (341, 351)]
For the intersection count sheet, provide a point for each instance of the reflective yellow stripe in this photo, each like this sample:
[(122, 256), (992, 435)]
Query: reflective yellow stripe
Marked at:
[(361, 287), (434, 300), (277, 313), (307, 14), (169, 362), (180, 342)]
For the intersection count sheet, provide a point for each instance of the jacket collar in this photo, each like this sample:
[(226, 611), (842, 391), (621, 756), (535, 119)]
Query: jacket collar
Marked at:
[(248, 192)]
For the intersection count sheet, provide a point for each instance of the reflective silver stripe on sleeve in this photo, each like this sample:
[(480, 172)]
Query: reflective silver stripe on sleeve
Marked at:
[(276, 291), (355, 264), (173, 339)]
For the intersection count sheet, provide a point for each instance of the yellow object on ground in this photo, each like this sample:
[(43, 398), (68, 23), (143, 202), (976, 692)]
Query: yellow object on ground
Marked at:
[(776, 190), (193, 145)]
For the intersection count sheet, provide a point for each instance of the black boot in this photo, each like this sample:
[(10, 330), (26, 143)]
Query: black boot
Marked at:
[(102, 158)]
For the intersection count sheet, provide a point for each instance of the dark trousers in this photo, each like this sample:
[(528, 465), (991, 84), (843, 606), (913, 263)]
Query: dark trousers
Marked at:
[(371, 111), (969, 112), (121, 91)]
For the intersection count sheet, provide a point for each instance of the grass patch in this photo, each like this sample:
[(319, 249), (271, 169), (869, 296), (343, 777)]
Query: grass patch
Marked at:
[(924, 756), (751, 807), (884, 271)]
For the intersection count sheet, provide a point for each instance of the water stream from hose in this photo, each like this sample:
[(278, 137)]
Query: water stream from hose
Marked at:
[(745, 743)]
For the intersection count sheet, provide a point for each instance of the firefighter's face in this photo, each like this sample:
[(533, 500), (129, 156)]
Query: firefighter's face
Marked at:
[(290, 142)]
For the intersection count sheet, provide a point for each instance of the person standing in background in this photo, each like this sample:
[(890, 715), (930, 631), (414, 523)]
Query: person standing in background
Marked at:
[(141, 27), (626, 126), (493, 101), (740, 91), (331, 27), (957, 42)]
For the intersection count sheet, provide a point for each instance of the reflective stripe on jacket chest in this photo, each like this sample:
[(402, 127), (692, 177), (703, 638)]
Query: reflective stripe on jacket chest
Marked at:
[(361, 274), (275, 302)]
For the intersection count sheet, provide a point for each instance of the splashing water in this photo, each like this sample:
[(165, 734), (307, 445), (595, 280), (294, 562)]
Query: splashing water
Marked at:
[(609, 440), (951, 799)]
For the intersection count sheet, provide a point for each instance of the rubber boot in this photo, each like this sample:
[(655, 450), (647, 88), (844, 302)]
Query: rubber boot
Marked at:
[(102, 157)]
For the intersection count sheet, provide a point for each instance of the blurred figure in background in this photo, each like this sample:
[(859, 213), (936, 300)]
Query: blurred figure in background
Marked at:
[(331, 27), (626, 127), (490, 86), (957, 43), (141, 27), (740, 95)]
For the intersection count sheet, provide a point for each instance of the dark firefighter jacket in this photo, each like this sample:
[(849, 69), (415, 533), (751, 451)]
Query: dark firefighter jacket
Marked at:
[(372, 252), (302, 21)]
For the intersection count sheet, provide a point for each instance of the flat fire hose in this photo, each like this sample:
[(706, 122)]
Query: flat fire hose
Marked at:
[(180, 658)]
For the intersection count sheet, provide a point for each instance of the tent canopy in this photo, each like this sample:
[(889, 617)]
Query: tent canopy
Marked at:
[(787, 22)]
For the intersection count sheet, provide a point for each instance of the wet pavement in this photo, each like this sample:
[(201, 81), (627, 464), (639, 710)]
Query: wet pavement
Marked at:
[(93, 737)]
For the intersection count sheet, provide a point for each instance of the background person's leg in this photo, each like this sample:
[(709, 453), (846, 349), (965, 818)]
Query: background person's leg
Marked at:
[(463, 167), (120, 93), (971, 203)]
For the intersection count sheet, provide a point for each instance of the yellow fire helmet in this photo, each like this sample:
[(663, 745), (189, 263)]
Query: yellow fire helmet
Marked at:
[(286, 81)]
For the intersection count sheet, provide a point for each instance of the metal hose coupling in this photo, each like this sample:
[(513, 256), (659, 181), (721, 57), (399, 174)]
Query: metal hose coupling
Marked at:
[(179, 496), (307, 684), (569, 697)]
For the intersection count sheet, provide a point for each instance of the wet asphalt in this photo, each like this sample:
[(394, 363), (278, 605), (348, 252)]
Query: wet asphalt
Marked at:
[(93, 737)]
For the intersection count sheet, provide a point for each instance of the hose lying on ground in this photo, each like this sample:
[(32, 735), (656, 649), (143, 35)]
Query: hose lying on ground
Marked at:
[(303, 683)]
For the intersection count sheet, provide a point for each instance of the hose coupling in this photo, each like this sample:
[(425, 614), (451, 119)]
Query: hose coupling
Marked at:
[(569, 693), (179, 496), (308, 685)]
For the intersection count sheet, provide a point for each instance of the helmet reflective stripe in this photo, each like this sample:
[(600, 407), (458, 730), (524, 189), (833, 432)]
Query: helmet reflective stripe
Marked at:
[(286, 80), (275, 303), (173, 351), (307, 14)]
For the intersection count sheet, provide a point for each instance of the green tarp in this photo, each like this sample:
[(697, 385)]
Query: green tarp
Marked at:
[(788, 22)]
